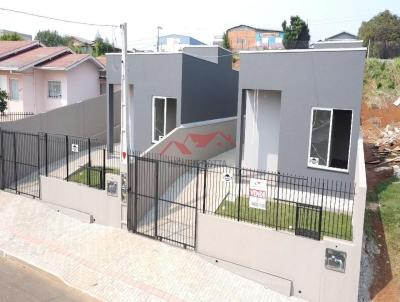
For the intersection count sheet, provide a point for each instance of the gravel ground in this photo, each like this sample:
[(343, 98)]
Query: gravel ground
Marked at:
[(114, 265), (367, 268)]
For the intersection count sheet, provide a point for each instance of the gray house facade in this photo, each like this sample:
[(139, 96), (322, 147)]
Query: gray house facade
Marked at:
[(299, 111), (168, 90)]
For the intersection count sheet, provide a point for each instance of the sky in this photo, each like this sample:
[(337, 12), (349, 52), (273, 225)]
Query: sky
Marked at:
[(200, 19)]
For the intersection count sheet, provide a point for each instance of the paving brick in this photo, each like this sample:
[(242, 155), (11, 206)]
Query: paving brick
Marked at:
[(114, 265)]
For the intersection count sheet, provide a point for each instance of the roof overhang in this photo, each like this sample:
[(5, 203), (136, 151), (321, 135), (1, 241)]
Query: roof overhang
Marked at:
[(34, 43), (88, 58)]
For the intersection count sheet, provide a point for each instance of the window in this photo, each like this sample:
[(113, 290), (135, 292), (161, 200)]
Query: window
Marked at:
[(14, 89), (330, 138), (54, 89), (164, 117)]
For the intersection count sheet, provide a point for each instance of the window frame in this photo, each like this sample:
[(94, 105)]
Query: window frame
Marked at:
[(321, 167), (48, 90), (165, 98), (10, 90)]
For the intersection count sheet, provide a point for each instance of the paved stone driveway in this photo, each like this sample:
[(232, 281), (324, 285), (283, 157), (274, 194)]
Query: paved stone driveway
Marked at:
[(114, 265)]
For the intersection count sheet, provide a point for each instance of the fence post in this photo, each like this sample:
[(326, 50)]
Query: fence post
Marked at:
[(2, 161), (135, 196), (205, 186), (46, 154), (239, 197), (320, 212), (38, 160), (67, 155), (156, 201), (197, 204), (104, 170), (15, 163), (277, 202), (89, 171)]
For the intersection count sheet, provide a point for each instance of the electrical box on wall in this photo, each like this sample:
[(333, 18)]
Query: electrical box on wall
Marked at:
[(335, 260)]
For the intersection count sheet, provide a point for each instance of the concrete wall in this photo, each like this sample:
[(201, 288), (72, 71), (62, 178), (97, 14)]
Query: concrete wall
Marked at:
[(105, 209), (209, 89), (85, 119), (337, 44), (306, 79), (271, 257), (198, 141)]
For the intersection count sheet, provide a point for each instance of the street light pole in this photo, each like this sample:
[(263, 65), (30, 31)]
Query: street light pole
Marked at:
[(158, 38)]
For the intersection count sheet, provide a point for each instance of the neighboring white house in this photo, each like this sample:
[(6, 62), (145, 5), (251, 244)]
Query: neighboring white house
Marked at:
[(172, 43), (38, 79)]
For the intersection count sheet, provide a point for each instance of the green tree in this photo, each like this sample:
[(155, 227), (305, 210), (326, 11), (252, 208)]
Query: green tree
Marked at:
[(382, 34), (11, 37), (50, 38), (3, 101), (101, 46), (297, 34), (225, 41)]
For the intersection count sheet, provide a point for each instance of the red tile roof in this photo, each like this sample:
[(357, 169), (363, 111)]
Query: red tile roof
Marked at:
[(35, 56), (68, 61), (102, 60), (9, 47)]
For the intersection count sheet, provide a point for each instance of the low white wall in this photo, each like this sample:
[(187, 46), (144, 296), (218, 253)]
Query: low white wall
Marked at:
[(105, 209), (254, 249), (286, 256)]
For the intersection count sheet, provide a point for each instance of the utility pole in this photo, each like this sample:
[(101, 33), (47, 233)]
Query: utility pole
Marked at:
[(158, 38), (124, 116), (369, 45)]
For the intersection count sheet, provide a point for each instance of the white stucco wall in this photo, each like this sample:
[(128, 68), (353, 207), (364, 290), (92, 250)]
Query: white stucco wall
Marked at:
[(104, 209), (83, 82)]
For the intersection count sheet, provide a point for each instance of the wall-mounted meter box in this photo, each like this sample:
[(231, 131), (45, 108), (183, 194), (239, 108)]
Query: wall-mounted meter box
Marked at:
[(335, 260)]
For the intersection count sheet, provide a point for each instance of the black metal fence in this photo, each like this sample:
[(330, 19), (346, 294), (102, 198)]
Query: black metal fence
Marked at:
[(166, 194), (14, 116), (26, 156), (310, 207)]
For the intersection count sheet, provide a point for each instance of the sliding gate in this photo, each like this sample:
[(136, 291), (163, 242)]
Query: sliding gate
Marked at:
[(20, 163), (163, 199)]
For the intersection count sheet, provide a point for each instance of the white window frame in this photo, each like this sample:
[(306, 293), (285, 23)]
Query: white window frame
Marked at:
[(10, 90), (48, 90), (310, 165), (153, 115)]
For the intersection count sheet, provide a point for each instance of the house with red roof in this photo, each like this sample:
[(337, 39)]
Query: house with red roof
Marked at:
[(38, 78)]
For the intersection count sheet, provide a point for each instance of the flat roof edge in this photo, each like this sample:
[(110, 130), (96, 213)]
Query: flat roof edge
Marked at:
[(304, 50)]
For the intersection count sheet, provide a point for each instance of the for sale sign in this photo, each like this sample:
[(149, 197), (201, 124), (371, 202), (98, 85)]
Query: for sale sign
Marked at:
[(258, 193)]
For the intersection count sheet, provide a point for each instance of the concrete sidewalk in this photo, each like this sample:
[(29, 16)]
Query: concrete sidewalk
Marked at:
[(112, 264)]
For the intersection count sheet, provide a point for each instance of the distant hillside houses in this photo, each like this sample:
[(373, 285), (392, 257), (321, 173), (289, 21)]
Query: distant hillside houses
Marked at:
[(244, 37)]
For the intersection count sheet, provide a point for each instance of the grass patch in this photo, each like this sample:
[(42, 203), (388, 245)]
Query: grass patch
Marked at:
[(333, 224), (81, 176), (389, 199)]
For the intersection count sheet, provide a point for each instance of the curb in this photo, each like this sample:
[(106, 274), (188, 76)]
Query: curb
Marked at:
[(7, 256)]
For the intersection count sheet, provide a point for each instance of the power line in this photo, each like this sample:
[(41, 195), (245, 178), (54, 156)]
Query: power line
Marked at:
[(56, 19)]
